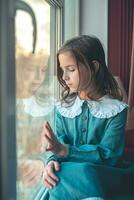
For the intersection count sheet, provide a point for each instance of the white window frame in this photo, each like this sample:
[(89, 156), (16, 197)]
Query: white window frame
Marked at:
[(71, 18)]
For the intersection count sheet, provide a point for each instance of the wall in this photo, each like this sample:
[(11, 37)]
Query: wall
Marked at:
[(94, 19)]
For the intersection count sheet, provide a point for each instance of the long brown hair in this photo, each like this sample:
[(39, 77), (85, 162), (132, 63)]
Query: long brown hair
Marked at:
[(87, 50)]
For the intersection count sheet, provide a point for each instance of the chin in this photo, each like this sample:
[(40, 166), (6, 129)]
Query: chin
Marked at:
[(34, 89), (73, 90)]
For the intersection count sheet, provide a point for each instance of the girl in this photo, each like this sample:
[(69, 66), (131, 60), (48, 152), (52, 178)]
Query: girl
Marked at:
[(33, 104), (90, 124)]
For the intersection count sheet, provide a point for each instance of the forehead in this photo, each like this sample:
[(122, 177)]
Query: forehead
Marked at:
[(67, 58), (32, 61)]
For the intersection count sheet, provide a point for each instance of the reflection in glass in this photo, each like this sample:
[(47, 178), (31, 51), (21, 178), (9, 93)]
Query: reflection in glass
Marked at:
[(34, 96)]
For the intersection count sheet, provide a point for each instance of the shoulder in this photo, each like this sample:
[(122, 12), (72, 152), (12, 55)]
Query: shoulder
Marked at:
[(105, 107), (34, 109)]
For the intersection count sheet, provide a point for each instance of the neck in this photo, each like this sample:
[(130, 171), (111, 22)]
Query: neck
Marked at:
[(86, 96), (23, 94), (83, 95)]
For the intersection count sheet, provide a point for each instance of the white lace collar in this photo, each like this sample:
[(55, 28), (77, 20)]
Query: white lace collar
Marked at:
[(106, 107), (32, 108)]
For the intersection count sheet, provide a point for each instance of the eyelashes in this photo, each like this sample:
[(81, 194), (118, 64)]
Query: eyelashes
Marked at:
[(67, 69)]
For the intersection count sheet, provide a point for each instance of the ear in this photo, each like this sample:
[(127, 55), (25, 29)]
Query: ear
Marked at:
[(96, 64)]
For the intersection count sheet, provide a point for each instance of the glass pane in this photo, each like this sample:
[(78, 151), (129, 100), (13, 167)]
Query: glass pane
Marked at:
[(34, 94)]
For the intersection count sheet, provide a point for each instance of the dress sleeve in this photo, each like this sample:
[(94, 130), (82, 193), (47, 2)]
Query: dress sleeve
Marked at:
[(108, 151)]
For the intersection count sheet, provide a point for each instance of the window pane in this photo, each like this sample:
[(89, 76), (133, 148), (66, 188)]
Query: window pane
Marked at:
[(34, 93)]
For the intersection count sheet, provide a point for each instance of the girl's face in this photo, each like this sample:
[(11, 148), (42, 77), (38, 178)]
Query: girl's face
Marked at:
[(31, 74), (34, 75), (69, 67)]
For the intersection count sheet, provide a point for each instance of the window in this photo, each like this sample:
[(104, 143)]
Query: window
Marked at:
[(31, 32), (29, 40), (35, 82)]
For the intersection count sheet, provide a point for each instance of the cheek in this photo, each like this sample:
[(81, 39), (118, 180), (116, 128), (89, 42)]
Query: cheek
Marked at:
[(84, 78), (41, 78), (29, 76), (76, 78)]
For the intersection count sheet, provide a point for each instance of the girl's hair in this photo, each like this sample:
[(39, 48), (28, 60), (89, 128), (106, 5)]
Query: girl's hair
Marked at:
[(87, 51)]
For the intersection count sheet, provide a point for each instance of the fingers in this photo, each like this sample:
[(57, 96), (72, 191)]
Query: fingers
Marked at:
[(53, 144), (50, 182), (31, 179), (50, 144), (42, 144), (56, 166), (48, 130), (48, 139), (31, 172), (50, 179), (50, 171), (48, 126), (48, 133), (47, 184), (26, 168)]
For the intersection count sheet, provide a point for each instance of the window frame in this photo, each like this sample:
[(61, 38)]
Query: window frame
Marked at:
[(71, 18), (7, 100), (56, 32)]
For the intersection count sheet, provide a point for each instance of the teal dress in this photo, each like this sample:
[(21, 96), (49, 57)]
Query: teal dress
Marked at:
[(93, 166)]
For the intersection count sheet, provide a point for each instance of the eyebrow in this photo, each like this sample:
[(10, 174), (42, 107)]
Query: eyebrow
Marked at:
[(67, 66)]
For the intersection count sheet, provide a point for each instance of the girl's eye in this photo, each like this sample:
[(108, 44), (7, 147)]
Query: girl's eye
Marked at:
[(71, 69)]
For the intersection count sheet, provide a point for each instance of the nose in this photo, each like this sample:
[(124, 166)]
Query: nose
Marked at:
[(65, 76)]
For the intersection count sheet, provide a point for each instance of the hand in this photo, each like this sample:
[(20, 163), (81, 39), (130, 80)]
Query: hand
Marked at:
[(42, 145), (50, 179), (31, 172), (53, 144), (37, 143)]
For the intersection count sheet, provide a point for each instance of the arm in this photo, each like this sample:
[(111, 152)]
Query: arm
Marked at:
[(109, 151)]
